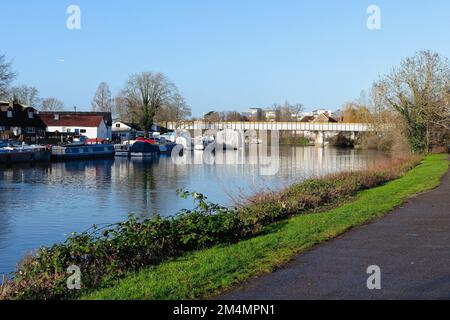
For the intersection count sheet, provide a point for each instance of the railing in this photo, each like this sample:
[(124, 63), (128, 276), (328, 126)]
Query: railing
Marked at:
[(281, 126)]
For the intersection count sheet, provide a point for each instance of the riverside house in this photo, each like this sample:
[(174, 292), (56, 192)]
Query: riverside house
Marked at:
[(93, 125), (124, 131), (18, 121)]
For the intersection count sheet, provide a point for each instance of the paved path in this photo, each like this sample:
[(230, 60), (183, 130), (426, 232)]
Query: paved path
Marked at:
[(411, 246)]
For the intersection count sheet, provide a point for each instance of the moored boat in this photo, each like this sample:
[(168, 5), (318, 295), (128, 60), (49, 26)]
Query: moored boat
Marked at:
[(199, 143), (12, 154), (144, 148), (123, 149), (79, 151), (166, 148)]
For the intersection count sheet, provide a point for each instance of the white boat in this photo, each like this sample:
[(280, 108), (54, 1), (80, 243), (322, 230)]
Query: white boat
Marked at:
[(170, 136), (199, 143), (185, 141), (230, 139), (123, 149)]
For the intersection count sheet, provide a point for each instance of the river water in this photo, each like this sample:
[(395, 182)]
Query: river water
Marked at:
[(41, 204)]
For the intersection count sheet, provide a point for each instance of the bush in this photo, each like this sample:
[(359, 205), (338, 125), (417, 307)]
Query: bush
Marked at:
[(107, 253)]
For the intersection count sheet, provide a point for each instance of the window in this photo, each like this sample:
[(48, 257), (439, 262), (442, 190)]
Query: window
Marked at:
[(117, 125), (9, 113), (68, 130), (16, 131), (56, 117), (31, 130), (2, 129), (83, 130), (30, 114)]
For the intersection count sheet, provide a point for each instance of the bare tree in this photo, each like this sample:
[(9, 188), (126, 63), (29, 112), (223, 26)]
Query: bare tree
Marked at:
[(122, 110), (144, 94), (287, 112), (214, 116), (177, 111), (233, 116), (52, 104), (416, 91), (6, 75), (102, 101), (26, 95)]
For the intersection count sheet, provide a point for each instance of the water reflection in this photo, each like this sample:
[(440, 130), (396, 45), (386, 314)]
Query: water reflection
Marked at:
[(42, 203)]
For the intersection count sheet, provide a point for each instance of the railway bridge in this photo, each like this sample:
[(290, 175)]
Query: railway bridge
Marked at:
[(319, 129)]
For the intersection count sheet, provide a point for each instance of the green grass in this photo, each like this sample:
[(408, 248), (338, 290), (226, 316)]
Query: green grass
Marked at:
[(208, 272)]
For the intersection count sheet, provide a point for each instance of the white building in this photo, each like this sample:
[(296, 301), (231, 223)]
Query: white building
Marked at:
[(270, 115), (89, 124), (318, 112), (125, 131), (253, 113)]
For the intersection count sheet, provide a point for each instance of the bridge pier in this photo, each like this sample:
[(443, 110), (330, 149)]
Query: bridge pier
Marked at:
[(320, 139)]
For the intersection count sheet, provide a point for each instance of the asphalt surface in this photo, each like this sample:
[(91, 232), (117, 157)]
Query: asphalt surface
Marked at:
[(411, 246)]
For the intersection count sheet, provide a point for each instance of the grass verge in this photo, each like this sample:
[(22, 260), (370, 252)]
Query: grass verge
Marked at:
[(207, 272)]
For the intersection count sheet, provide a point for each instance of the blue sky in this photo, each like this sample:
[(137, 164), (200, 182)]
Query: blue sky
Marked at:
[(223, 55)]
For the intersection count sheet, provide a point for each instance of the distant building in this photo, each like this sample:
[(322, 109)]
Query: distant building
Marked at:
[(93, 125), (306, 114), (270, 115), (20, 121), (318, 112), (253, 114), (324, 117)]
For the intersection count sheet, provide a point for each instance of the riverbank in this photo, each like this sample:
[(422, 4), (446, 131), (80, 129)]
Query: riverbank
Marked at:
[(105, 255), (410, 245), (208, 272)]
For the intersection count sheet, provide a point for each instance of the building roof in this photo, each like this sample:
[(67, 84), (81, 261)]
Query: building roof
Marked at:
[(71, 119), (105, 115), (134, 126), (324, 118), (307, 119), (20, 117)]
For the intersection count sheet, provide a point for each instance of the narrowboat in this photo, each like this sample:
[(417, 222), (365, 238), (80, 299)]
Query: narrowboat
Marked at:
[(82, 151), (12, 154)]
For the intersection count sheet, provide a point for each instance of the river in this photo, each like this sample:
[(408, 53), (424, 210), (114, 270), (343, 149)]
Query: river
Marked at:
[(41, 204)]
